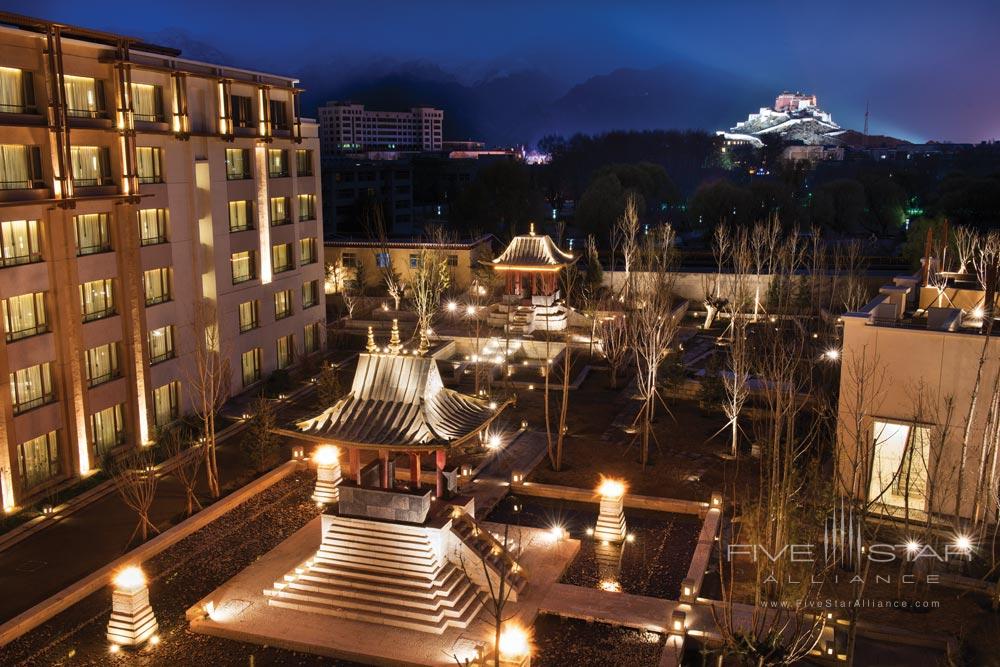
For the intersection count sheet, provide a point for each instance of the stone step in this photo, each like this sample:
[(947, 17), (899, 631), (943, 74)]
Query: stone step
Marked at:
[(348, 580), (402, 598), (377, 529), (356, 543), (369, 562)]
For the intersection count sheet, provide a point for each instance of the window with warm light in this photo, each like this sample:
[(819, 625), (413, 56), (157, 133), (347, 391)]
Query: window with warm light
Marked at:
[(349, 260), (101, 364), (240, 215), (307, 207), (250, 365), (307, 251), (303, 162), (156, 283), (282, 304), (17, 91), (97, 299), (152, 226), (248, 316), (19, 242), (280, 215), (237, 164), (161, 345), (24, 316), (91, 165), (277, 162), (149, 164), (20, 167), (281, 257), (286, 351), (310, 337), (31, 388), (147, 103), (244, 266), (84, 97), (93, 233), (310, 293), (107, 429), (166, 404), (38, 459)]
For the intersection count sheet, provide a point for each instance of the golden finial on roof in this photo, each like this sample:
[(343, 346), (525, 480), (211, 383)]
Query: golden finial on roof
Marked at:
[(394, 344), (531, 229), (372, 348)]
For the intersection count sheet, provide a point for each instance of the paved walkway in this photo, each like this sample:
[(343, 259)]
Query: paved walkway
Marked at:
[(492, 483)]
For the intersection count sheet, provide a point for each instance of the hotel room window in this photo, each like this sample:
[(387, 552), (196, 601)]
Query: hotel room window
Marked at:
[(102, 364), (24, 316)]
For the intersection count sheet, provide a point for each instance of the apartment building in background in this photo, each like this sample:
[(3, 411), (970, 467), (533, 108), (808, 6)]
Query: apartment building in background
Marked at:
[(352, 188), (347, 127), (140, 191)]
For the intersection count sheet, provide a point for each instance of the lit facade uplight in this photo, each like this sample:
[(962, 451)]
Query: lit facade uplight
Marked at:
[(610, 586), (514, 642), (833, 354)]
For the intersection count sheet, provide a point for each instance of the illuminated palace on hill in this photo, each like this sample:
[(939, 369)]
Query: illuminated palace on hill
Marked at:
[(135, 184)]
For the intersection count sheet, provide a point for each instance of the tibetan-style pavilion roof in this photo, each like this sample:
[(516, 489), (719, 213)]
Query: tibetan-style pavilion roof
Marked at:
[(398, 401), (532, 251)]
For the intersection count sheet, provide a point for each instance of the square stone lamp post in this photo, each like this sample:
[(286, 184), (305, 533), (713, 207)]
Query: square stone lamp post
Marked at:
[(132, 620), (328, 475), (611, 520)]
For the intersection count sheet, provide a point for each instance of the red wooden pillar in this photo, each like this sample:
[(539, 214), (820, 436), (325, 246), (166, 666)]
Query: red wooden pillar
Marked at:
[(415, 470), (354, 457), (384, 455), (440, 461)]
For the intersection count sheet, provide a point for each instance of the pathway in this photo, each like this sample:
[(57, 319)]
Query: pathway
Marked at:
[(492, 483)]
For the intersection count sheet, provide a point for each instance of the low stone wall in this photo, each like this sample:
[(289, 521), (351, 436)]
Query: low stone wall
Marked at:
[(408, 507), (43, 611), (635, 501)]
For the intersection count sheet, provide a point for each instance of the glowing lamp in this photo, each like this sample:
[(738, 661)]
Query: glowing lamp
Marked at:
[(452, 306), (912, 546), (328, 475), (493, 442), (129, 579), (963, 544), (832, 354), (132, 620), (514, 643), (611, 488), (677, 622), (326, 455), (470, 310)]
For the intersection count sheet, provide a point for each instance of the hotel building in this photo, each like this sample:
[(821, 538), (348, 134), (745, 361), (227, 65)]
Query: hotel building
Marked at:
[(346, 127), (136, 186)]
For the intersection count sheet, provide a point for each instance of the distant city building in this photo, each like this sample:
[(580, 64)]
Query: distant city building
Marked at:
[(136, 185), (812, 154), (353, 188), (346, 127)]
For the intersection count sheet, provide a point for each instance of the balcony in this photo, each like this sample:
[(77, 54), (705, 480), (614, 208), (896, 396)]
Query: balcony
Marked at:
[(166, 355), (18, 260), (110, 311), (112, 374), (27, 332), (97, 181), (21, 408)]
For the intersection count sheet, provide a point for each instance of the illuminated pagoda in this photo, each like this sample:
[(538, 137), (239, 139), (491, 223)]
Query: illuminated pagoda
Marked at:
[(387, 549), (531, 264)]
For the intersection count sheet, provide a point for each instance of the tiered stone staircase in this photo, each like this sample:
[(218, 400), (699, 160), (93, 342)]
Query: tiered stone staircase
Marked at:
[(383, 573), (500, 561)]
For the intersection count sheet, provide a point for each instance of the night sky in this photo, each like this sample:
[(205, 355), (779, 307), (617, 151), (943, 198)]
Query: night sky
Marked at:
[(929, 69)]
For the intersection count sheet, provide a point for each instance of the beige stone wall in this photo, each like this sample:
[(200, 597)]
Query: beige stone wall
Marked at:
[(467, 259), (913, 374)]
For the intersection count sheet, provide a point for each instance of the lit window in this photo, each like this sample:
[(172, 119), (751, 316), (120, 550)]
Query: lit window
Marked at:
[(303, 162), (279, 211), (102, 364), (248, 316), (282, 304), (84, 97), (250, 363), (31, 387), (244, 266), (97, 299), (307, 251), (157, 285), (161, 344), (24, 316), (20, 167), (149, 164), (307, 207), (310, 293), (38, 459), (240, 215), (277, 163), (286, 351), (152, 226), (107, 429), (237, 164), (166, 404), (91, 165), (147, 102), (93, 233), (281, 257), (17, 91)]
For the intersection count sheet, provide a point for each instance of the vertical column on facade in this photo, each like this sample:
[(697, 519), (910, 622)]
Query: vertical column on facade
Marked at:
[(59, 144), (60, 253), (264, 125), (10, 489), (125, 236), (263, 212), (297, 116), (226, 127), (125, 120)]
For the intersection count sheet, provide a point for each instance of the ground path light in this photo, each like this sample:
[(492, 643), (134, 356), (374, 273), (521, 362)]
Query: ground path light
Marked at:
[(328, 474), (132, 620), (611, 520), (514, 646)]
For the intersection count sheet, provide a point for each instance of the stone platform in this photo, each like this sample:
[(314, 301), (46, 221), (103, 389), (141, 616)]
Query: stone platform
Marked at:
[(240, 609)]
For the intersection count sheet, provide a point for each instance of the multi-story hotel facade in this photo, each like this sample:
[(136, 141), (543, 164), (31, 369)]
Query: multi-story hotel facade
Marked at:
[(347, 127), (141, 193)]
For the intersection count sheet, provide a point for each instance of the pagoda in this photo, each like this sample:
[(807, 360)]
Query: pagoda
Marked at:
[(531, 264), (389, 551)]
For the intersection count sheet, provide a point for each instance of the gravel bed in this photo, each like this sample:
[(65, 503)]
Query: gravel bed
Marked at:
[(179, 577), (654, 563), (562, 641)]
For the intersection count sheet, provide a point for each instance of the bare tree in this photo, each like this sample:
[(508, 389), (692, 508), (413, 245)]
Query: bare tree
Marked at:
[(736, 379), (570, 279), (209, 382), (592, 290), (626, 237), (187, 462), (613, 332), (965, 240), (652, 325), (377, 230), (428, 281), (722, 249), (135, 480), (260, 441), (328, 387)]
